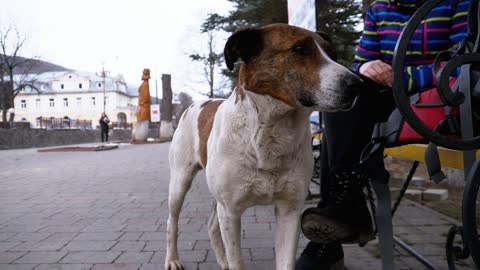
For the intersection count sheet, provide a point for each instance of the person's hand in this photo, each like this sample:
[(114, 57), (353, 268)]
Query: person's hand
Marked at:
[(378, 71)]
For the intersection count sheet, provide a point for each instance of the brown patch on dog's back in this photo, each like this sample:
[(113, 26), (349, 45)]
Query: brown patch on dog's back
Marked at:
[(205, 123)]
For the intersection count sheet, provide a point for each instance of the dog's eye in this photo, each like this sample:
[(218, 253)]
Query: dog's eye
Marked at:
[(302, 49)]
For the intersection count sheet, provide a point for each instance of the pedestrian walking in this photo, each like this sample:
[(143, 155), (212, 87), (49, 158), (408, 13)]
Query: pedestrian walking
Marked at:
[(104, 127)]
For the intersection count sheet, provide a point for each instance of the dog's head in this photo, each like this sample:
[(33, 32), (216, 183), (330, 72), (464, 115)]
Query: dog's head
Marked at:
[(293, 65)]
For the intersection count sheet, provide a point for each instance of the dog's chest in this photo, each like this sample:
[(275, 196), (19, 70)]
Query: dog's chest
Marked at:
[(263, 187), (257, 167), (255, 160)]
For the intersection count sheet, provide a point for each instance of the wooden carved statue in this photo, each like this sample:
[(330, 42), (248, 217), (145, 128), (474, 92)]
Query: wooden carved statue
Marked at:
[(140, 129), (143, 112)]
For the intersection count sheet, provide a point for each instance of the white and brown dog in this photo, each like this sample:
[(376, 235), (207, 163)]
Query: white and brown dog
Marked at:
[(255, 145)]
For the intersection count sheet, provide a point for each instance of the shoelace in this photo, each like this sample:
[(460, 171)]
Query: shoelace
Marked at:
[(347, 180)]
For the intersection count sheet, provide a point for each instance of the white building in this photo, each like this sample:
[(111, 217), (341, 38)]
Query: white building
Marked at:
[(76, 95)]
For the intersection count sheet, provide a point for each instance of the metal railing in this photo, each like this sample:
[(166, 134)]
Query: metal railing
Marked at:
[(121, 125), (62, 123)]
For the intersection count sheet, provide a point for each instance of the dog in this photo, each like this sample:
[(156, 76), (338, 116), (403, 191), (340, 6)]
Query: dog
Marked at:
[(255, 145)]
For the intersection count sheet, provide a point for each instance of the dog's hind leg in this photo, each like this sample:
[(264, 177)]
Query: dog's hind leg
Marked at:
[(216, 239), (182, 173)]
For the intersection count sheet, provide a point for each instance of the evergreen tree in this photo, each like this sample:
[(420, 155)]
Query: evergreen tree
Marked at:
[(338, 18), (254, 13)]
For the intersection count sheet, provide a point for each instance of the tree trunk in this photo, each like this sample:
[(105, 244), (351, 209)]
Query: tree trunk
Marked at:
[(4, 90), (7, 101), (3, 99), (212, 70), (211, 62), (10, 95), (166, 125), (4, 107)]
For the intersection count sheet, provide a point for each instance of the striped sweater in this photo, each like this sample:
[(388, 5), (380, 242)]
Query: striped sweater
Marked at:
[(445, 26)]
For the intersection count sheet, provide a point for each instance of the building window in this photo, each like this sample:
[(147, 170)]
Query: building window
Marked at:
[(80, 85), (52, 102), (23, 104), (79, 101), (92, 101), (37, 103), (65, 102), (62, 86), (99, 85)]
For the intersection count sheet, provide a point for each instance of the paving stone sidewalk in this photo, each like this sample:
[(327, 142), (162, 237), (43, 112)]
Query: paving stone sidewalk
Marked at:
[(108, 210)]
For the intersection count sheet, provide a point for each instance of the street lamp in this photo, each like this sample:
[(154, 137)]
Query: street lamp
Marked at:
[(103, 74)]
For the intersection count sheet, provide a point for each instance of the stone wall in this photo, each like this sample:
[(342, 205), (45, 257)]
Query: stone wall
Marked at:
[(29, 138)]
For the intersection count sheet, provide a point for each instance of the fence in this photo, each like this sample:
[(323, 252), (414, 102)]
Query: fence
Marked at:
[(62, 123), (121, 125), (15, 125)]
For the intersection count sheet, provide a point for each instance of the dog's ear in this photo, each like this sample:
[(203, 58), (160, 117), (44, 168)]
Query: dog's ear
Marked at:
[(244, 44), (328, 46)]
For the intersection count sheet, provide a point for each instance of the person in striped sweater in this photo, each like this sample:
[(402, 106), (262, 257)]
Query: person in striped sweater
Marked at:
[(343, 216)]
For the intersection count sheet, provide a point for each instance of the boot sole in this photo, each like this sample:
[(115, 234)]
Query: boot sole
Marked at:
[(320, 229)]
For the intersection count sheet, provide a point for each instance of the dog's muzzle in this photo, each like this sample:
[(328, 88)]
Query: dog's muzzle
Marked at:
[(351, 89), (307, 100)]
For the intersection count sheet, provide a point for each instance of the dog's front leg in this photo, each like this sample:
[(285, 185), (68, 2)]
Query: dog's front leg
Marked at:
[(287, 230), (230, 227)]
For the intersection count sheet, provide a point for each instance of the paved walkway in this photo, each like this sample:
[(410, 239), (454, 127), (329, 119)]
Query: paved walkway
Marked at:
[(107, 210)]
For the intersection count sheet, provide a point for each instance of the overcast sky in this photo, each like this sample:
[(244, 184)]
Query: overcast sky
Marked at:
[(127, 35)]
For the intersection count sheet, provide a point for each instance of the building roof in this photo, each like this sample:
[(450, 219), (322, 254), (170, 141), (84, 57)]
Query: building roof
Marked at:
[(132, 91), (44, 81)]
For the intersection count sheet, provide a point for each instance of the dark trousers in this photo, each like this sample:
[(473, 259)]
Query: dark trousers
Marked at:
[(347, 133), (104, 134)]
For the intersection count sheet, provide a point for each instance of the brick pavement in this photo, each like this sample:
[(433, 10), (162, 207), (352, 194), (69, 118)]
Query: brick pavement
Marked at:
[(107, 210)]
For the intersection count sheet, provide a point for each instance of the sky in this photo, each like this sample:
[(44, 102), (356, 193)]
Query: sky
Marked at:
[(125, 36)]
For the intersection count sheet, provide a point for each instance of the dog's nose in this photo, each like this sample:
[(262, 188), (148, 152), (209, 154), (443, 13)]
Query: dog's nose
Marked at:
[(352, 84)]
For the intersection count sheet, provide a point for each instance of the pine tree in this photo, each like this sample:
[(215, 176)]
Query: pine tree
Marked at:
[(338, 18), (255, 13)]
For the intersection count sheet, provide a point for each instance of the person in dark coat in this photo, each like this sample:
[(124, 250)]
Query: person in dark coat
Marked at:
[(104, 126)]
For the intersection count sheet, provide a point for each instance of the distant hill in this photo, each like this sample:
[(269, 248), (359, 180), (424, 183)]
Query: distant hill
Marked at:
[(38, 66)]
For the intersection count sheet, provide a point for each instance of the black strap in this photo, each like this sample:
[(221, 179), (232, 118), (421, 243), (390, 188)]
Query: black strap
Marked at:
[(432, 161)]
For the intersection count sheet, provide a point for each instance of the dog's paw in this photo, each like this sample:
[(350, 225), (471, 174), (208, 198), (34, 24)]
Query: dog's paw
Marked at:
[(174, 265), (223, 266)]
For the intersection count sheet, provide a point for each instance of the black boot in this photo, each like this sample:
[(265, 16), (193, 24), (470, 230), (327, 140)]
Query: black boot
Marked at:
[(344, 216), (321, 257)]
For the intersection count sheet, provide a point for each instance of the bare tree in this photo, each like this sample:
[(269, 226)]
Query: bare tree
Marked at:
[(11, 64), (212, 60), (185, 101)]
